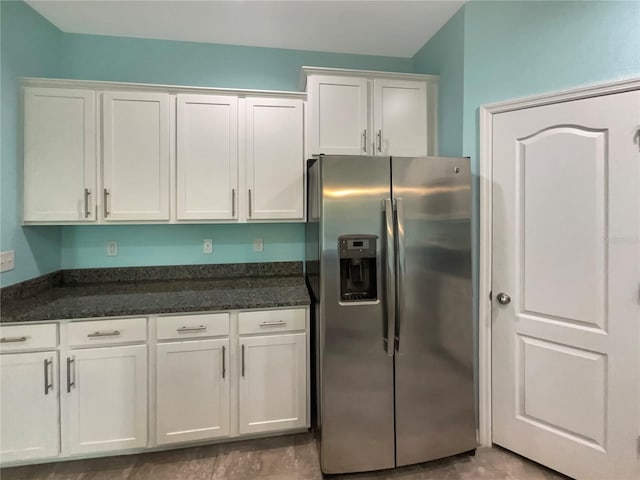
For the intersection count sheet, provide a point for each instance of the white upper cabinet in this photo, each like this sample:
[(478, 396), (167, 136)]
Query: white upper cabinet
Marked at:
[(400, 117), (274, 159), (59, 155), (355, 112), (338, 116), (207, 157), (136, 139)]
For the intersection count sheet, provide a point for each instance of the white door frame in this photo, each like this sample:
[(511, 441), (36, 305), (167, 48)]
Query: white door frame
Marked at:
[(486, 210)]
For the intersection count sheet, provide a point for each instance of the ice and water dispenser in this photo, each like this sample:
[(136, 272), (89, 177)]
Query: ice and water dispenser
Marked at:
[(358, 276)]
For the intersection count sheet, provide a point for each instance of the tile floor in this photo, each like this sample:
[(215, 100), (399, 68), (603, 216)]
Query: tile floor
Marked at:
[(293, 457)]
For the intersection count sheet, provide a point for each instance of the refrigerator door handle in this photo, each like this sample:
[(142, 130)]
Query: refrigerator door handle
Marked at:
[(390, 281), (401, 268)]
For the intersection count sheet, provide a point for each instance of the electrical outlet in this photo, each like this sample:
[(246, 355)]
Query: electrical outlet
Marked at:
[(207, 245), (7, 261), (112, 248), (258, 245)]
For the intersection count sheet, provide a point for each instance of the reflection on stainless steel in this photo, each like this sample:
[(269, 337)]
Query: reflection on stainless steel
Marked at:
[(407, 223)]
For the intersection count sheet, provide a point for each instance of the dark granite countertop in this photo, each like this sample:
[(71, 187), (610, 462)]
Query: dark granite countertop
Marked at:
[(122, 292)]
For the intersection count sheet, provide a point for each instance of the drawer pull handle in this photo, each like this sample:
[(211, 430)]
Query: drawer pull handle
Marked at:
[(113, 333), (278, 323), (13, 339), (47, 385), (191, 329), (224, 366)]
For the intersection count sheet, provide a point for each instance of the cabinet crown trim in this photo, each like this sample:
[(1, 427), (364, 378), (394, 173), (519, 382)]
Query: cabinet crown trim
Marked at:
[(306, 71), (152, 87)]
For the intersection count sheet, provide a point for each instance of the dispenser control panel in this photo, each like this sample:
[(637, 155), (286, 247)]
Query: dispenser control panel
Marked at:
[(358, 265), (357, 247)]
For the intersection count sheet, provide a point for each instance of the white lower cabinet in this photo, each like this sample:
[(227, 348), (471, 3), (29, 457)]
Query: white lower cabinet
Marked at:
[(106, 399), (29, 427), (192, 390), (213, 375), (273, 379)]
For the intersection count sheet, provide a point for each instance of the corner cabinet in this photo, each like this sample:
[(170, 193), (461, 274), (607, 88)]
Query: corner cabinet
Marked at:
[(371, 113)]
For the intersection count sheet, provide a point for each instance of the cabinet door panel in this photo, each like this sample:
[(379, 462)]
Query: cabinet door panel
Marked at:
[(107, 404), (275, 159), (29, 427), (193, 390), (207, 160), (136, 156), (273, 383), (338, 116), (400, 117), (59, 155)]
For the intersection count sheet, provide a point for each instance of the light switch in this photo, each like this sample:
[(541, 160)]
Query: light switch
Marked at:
[(258, 245)]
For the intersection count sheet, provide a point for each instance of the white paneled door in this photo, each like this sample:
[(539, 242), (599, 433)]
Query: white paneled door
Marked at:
[(59, 155), (566, 273), (106, 399), (273, 383), (135, 156), (275, 159), (400, 118), (29, 392), (193, 390), (338, 118), (207, 157)]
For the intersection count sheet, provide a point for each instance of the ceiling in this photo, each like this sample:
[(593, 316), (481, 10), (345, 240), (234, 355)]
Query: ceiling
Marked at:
[(395, 28)]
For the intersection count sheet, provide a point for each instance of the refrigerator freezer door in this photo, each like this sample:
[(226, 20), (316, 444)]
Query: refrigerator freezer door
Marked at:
[(435, 414), (357, 430)]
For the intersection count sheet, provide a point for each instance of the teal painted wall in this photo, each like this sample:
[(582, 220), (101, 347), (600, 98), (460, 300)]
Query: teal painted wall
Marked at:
[(444, 55), (98, 57), (85, 247), (95, 57), (30, 46), (522, 48)]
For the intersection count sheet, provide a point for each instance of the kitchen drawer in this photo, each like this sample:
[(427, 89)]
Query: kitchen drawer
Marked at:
[(105, 332), (28, 337), (271, 321), (190, 326)]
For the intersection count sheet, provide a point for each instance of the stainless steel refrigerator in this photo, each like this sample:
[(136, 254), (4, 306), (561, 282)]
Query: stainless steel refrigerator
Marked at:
[(388, 264)]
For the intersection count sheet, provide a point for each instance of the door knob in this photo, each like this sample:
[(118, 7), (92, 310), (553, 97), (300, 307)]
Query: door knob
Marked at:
[(503, 298)]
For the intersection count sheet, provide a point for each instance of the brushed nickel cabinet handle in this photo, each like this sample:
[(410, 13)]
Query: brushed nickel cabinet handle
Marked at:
[(243, 360), (13, 339), (97, 334), (47, 385), (191, 329), (379, 140), (364, 140), (249, 203), (277, 323), (71, 360), (106, 203), (233, 203), (224, 369), (87, 208)]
